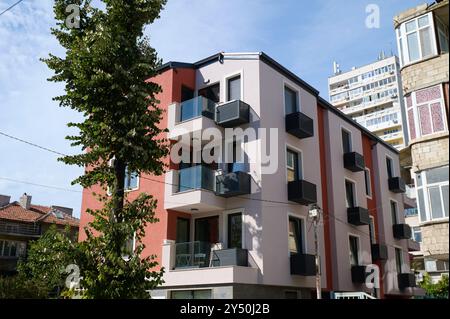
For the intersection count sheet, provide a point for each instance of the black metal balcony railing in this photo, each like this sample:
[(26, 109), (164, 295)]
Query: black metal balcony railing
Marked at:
[(379, 252), (402, 231), (397, 185), (299, 125), (195, 178), (233, 184), (358, 216), (406, 280), (354, 162), (303, 264), (20, 229), (302, 192), (233, 113), (358, 274)]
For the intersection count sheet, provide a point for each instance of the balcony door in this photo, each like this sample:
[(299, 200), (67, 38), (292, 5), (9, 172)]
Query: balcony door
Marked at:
[(207, 229), (211, 92)]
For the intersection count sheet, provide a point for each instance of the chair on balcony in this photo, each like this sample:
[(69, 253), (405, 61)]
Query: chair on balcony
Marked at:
[(213, 258)]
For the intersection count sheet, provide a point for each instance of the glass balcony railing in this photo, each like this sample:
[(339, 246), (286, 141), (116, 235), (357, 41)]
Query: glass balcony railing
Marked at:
[(195, 178), (194, 254), (196, 107)]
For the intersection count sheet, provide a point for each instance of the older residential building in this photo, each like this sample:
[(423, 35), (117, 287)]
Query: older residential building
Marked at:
[(22, 222), (371, 95), (423, 36), (239, 228)]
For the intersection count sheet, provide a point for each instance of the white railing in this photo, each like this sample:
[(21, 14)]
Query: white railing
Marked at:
[(352, 295)]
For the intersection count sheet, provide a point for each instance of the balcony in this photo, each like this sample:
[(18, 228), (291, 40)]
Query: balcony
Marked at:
[(16, 229), (358, 274), (189, 116), (299, 125), (192, 189), (379, 252), (401, 231), (303, 264), (302, 192), (358, 216), (354, 162), (406, 280), (233, 184), (396, 185), (232, 114)]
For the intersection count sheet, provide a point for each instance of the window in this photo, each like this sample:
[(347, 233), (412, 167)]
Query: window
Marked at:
[(182, 230), (295, 234), (354, 250), (372, 231), (235, 230), (398, 260), (442, 35), (128, 247), (191, 294), (417, 234), (131, 180), (389, 167), (346, 141), (290, 101), (350, 194), (293, 165), (234, 88), (211, 92), (394, 215), (368, 182), (186, 93), (432, 193), (10, 248), (416, 39)]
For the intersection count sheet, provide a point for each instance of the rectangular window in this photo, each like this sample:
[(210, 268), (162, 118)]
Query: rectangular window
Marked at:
[(394, 215), (295, 234), (346, 141), (290, 100), (235, 230), (350, 194), (389, 167), (191, 294), (293, 165), (433, 194), (372, 231), (211, 92), (398, 260), (354, 250), (182, 230), (131, 180), (417, 234), (368, 182), (234, 88)]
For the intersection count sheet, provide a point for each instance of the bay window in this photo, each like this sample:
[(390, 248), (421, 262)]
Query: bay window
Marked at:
[(432, 193)]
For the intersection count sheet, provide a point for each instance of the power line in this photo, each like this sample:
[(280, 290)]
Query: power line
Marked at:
[(12, 6), (40, 185), (32, 144)]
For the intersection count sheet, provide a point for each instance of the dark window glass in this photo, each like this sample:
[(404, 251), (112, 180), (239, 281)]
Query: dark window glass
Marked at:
[(372, 231), (354, 258), (211, 92), (290, 100), (367, 180), (186, 93), (234, 88), (293, 165), (398, 260), (389, 167), (295, 235), (235, 230), (349, 194), (207, 229), (182, 230), (346, 142), (394, 212)]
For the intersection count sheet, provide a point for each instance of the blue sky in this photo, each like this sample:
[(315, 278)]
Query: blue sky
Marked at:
[(305, 36)]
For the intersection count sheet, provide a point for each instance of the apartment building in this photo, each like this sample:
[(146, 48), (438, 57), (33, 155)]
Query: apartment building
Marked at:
[(239, 227), (371, 95), (422, 38), (21, 222)]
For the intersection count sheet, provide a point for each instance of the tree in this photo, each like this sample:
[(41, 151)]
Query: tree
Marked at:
[(105, 71), (437, 290)]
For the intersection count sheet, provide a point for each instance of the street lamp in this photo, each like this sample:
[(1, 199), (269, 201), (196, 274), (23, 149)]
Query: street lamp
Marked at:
[(314, 213)]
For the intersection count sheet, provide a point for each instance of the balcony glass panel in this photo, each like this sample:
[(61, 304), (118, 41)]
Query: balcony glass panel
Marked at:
[(193, 254), (196, 107), (196, 177)]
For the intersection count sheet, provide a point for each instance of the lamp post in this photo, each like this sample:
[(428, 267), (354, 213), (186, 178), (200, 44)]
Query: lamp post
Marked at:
[(314, 214)]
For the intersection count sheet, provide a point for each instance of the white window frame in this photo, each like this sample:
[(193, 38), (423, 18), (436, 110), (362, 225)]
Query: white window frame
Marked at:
[(239, 73), (393, 170), (300, 157), (350, 248), (126, 190), (343, 128), (302, 232), (402, 35), (368, 171), (426, 196)]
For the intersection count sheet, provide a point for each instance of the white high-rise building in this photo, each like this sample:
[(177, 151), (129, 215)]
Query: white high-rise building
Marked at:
[(372, 96)]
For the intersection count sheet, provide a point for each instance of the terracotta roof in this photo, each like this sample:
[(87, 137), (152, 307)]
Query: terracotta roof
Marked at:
[(36, 213)]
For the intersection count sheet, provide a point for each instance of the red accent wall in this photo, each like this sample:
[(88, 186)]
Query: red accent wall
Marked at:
[(326, 219), (170, 82), (372, 202)]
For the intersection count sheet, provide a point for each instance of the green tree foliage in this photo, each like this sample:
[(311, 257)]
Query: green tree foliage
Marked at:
[(437, 290), (105, 69)]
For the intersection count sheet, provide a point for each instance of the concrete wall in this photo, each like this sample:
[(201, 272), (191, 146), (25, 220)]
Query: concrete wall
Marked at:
[(430, 151), (435, 238)]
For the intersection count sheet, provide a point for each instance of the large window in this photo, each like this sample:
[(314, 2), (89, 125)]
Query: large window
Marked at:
[(346, 141), (416, 39), (182, 230), (9, 248), (235, 230), (234, 88), (432, 193), (442, 35), (211, 92), (290, 100), (354, 250), (295, 234), (293, 165), (350, 199)]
